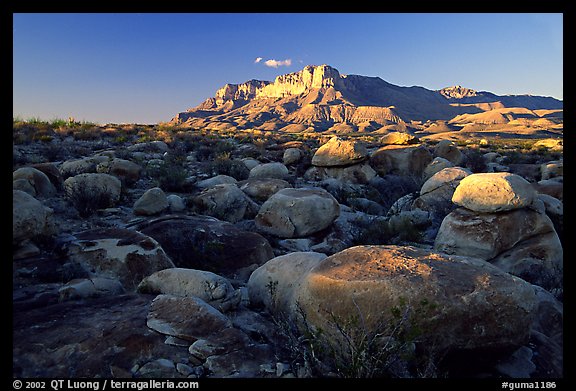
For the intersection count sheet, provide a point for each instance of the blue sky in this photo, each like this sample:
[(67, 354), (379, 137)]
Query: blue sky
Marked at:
[(145, 68)]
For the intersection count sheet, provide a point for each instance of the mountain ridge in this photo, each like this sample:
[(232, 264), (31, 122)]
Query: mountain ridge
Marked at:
[(318, 96)]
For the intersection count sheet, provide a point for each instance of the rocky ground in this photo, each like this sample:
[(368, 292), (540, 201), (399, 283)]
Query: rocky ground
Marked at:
[(208, 256)]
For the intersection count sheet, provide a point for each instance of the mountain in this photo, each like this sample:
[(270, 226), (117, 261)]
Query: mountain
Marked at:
[(319, 98)]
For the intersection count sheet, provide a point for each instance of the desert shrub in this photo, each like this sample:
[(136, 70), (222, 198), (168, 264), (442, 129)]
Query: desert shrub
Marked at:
[(223, 165), (86, 201), (169, 176), (352, 350), (54, 152), (392, 187)]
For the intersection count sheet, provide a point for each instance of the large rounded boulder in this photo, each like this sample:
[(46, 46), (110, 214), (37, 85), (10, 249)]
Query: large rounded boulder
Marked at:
[(206, 243), (451, 302), (494, 192), (339, 152), (297, 212)]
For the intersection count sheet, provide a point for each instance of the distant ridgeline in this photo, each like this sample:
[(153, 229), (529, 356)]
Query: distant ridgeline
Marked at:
[(319, 98)]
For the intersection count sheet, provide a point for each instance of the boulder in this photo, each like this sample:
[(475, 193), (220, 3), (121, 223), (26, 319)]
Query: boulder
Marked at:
[(176, 203), (30, 218), (433, 292), (522, 242), (339, 152), (436, 193), (552, 169), (81, 166), (494, 192), (269, 170), (118, 253), (206, 243), (291, 156), (274, 284), (103, 189), (552, 187), (250, 163), (125, 170), (261, 189), (297, 212), (24, 185), (438, 164), (155, 146), (367, 206), (212, 288), (187, 318), (399, 138), (152, 202), (356, 173), (83, 288), (485, 235), (538, 260), (217, 180), (449, 151), (52, 172), (225, 202), (447, 177), (401, 160), (37, 179)]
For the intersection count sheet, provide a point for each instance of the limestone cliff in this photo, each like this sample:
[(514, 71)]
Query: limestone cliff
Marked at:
[(321, 97)]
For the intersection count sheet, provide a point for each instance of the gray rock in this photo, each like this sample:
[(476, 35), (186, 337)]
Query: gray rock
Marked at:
[(118, 253), (30, 218), (37, 179), (213, 289), (270, 170), (188, 318), (297, 212), (152, 202)]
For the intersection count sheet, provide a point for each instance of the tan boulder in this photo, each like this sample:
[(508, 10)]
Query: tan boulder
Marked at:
[(273, 284), (262, 188), (552, 169), (451, 302), (297, 212), (438, 164), (339, 152), (494, 192), (449, 151), (399, 138), (522, 242), (291, 156), (485, 235), (401, 160)]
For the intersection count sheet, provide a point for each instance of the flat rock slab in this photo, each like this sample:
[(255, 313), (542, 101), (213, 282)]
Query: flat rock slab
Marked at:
[(188, 318), (93, 338)]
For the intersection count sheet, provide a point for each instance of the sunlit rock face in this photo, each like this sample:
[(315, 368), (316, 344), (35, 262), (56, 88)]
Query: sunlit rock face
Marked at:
[(376, 284)]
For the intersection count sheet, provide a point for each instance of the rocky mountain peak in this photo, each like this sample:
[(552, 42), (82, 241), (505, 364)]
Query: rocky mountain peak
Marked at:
[(458, 92)]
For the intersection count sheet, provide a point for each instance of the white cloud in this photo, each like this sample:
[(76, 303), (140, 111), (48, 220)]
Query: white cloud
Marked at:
[(276, 63), (258, 59)]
